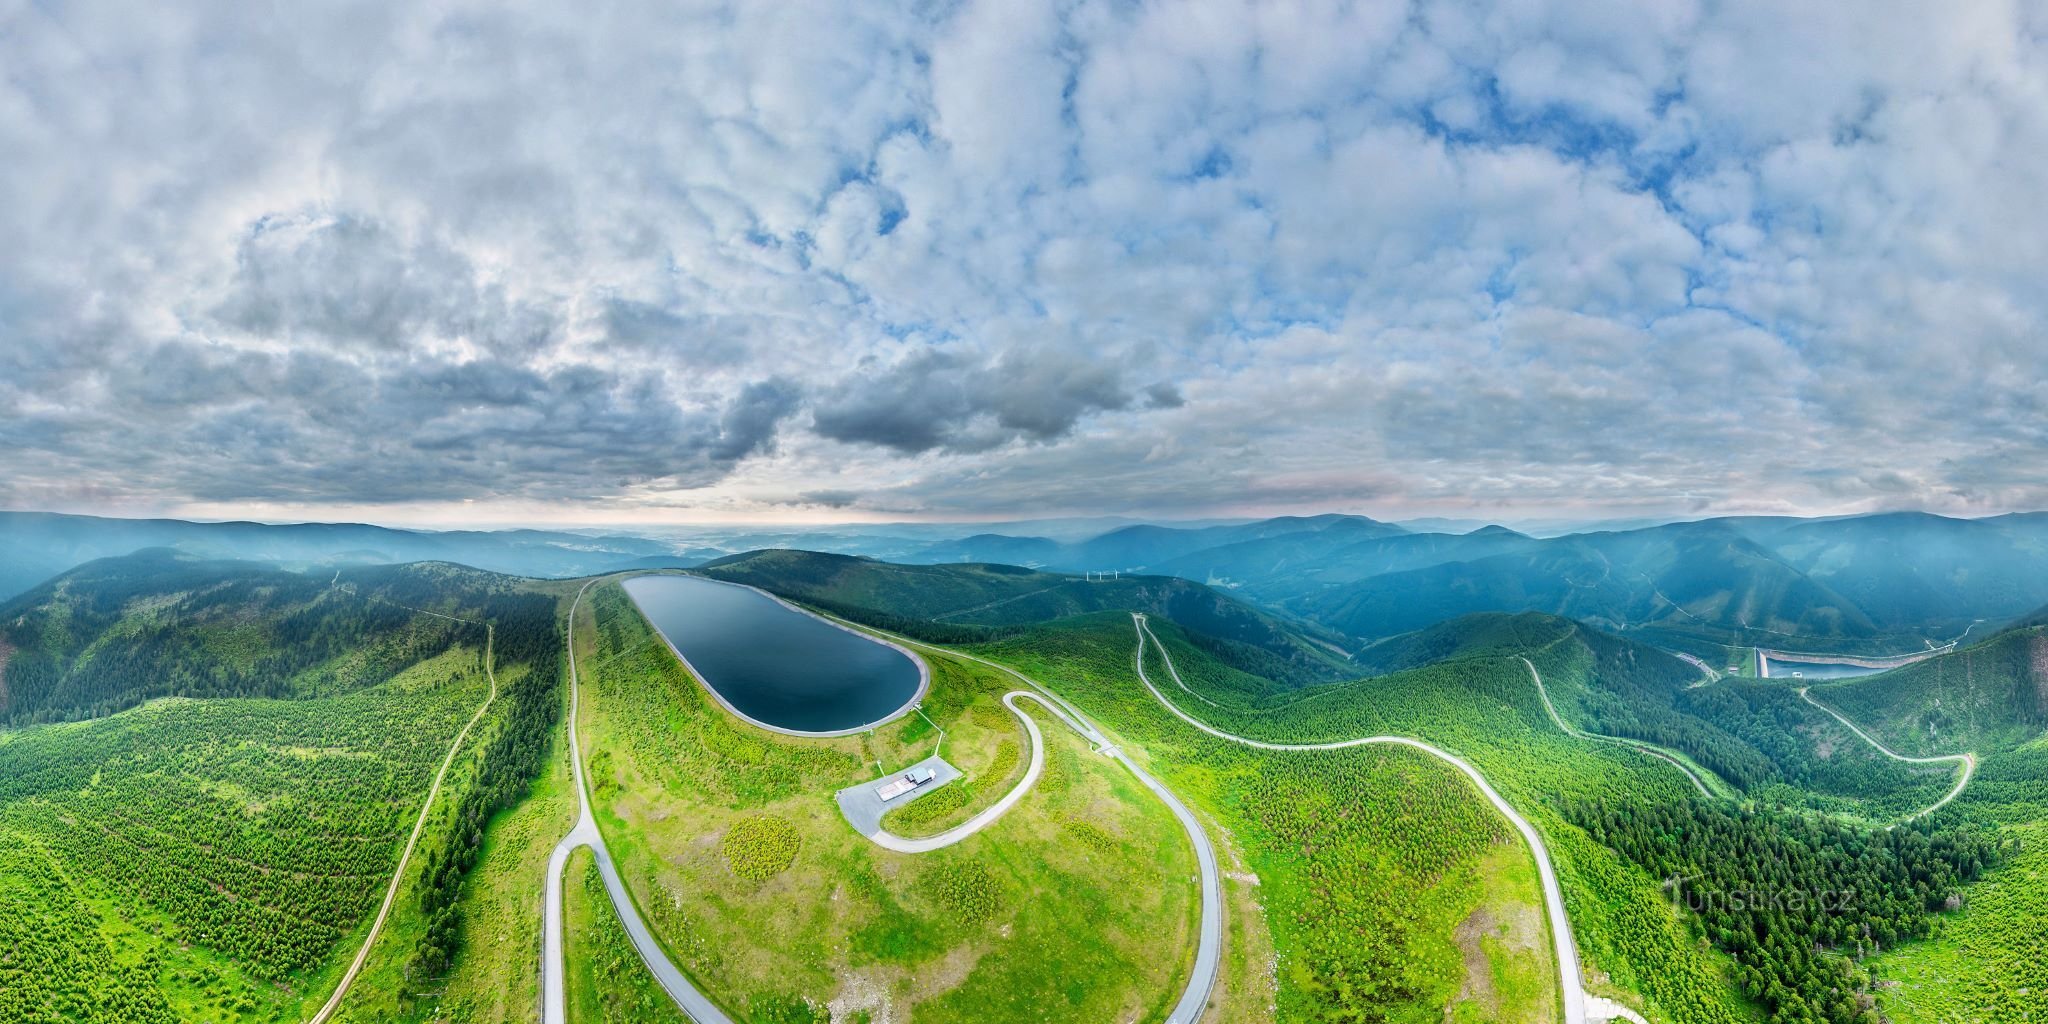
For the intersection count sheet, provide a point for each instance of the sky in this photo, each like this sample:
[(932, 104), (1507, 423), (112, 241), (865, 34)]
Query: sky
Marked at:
[(676, 262)]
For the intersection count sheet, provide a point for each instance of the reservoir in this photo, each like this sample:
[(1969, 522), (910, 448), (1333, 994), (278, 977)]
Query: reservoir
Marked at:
[(773, 665), (1781, 668)]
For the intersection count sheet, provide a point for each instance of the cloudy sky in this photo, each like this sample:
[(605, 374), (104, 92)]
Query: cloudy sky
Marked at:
[(443, 262)]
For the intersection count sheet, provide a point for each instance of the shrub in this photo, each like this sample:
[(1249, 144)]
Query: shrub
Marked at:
[(964, 887), (760, 847), (928, 809), (1005, 762), (1090, 835)]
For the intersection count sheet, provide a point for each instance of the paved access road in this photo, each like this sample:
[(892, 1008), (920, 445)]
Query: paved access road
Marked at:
[(1698, 783), (891, 841), (1968, 761), (1576, 1008), (1194, 999), (554, 982), (355, 966)]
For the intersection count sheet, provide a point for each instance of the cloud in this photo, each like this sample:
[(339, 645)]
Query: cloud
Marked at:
[(1230, 255), (938, 399)]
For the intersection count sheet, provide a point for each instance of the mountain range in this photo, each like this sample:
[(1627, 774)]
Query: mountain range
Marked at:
[(1890, 582)]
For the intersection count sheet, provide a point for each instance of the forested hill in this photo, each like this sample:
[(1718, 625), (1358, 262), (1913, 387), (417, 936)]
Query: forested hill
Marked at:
[(972, 601), (118, 631), (1988, 696), (35, 546)]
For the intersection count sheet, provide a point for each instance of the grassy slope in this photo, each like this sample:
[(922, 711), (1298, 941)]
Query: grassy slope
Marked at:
[(1058, 908), (1987, 696), (1370, 858), (987, 744), (246, 623), (224, 760), (1989, 962), (1485, 709), (607, 981), (496, 975)]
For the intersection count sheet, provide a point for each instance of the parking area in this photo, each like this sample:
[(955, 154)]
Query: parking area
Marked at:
[(864, 809)]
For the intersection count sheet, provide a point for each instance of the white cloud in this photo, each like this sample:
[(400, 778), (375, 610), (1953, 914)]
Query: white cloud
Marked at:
[(1559, 255)]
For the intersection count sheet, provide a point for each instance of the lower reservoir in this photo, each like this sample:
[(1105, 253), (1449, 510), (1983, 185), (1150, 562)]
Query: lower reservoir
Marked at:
[(1783, 668), (774, 665)]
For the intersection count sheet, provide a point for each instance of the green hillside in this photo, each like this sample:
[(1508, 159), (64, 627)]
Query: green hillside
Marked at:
[(1988, 696), (986, 599), (1464, 686), (1693, 576), (1367, 861), (113, 633), (1078, 898), (225, 843), (1989, 962)]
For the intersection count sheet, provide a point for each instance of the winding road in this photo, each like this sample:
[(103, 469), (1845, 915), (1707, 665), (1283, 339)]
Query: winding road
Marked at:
[(1576, 1007), (355, 966), (1188, 1009), (1194, 999), (554, 985), (1968, 761), (1636, 745), (1579, 1007), (888, 840)]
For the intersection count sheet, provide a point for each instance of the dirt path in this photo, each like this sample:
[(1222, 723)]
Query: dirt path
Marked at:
[(355, 967), (1968, 761)]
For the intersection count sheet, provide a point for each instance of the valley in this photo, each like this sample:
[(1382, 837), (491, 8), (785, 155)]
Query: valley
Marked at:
[(1191, 799)]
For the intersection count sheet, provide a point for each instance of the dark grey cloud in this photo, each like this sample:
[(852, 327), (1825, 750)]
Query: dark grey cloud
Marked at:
[(1164, 395), (941, 399)]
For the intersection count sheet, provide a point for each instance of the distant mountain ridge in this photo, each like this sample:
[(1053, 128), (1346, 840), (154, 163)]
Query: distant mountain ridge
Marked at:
[(1870, 584), (1877, 581), (1145, 547), (35, 546)]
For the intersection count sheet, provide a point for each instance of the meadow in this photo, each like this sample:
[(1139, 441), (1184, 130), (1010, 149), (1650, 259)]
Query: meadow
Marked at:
[(1077, 904), (1393, 892)]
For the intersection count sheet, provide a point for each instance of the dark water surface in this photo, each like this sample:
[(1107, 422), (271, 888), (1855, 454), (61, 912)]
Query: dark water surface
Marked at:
[(775, 665)]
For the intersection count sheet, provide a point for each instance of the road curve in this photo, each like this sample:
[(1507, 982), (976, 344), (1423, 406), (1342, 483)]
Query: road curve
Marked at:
[(1544, 692), (1575, 1002), (1968, 761), (1194, 999), (891, 841), (398, 874), (554, 984)]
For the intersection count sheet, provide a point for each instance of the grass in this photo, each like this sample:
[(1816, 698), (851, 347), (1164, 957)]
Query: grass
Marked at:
[(607, 982), (1369, 858), (1503, 942), (1985, 966), (1019, 923), (1988, 963), (496, 974), (987, 744)]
